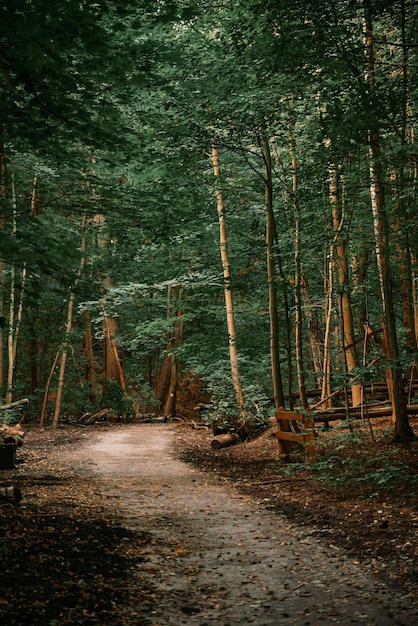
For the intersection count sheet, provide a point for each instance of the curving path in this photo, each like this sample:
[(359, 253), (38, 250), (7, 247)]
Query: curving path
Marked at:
[(215, 558)]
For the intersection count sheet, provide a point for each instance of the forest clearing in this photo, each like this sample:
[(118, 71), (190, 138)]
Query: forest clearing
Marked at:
[(113, 529)]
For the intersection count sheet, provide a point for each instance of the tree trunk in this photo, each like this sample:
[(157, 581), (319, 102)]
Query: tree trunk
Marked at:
[(167, 383), (15, 314), (4, 192), (113, 367), (350, 359), (88, 346), (279, 401), (63, 361), (68, 330), (300, 368), (315, 335), (403, 430), (326, 381), (229, 305)]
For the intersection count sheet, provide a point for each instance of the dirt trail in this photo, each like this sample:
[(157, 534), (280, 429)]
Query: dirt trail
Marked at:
[(214, 557)]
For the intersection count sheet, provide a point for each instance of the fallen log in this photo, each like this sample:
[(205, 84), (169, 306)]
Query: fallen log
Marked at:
[(340, 413), (10, 405), (98, 416), (223, 441)]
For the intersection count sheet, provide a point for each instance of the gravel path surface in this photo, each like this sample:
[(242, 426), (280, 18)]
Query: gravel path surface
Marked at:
[(214, 558)]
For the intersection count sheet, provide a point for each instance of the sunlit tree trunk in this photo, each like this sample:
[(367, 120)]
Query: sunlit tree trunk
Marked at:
[(229, 305), (402, 427), (167, 383), (112, 363), (340, 260), (68, 330)]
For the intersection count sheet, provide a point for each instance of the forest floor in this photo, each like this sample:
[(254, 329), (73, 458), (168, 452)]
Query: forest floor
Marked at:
[(147, 524)]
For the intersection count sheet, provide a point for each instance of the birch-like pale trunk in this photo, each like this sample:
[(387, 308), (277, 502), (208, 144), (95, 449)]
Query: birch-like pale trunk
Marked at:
[(229, 305)]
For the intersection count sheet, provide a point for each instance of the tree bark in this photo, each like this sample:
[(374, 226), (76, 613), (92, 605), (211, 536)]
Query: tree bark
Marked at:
[(300, 368), (229, 305), (403, 430), (350, 359), (278, 392), (279, 400)]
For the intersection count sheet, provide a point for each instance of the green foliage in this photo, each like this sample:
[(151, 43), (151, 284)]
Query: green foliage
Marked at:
[(112, 109), (115, 398)]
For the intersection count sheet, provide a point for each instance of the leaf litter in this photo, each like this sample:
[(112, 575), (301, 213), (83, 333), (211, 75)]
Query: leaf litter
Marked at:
[(142, 538)]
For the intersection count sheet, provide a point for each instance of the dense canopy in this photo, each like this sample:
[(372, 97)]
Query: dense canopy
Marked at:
[(208, 203)]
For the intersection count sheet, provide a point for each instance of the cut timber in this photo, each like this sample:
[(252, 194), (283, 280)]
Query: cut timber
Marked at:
[(12, 431), (10, 405), (100, 415), (223, 441)]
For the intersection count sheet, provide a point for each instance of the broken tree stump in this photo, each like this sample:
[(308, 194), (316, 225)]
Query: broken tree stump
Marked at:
[(223, 441)]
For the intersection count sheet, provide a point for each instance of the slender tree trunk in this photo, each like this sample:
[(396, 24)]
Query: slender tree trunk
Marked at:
[(350, 360), (15, 313), (4, 192), (315, 334), (326, 381), (63, 361), (47, 386), (113, 366), (401, 228), (88, 346), (403, 431), (229, 305), (279, 400), (68, 330), (11, 326), (167, 383), (300, 368)]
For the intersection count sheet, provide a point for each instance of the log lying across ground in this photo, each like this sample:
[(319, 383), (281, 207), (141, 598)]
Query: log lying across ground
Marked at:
[(358, 412), (223, 441), (101, 415)]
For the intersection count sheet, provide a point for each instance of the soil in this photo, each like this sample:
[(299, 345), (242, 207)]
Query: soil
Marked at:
[(147, 524)]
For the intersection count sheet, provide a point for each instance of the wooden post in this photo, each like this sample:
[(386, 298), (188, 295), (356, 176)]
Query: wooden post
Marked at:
[(306, 437)]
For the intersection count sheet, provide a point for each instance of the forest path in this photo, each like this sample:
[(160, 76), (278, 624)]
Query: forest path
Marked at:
[(215, 558)]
